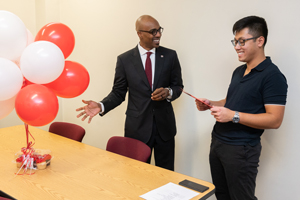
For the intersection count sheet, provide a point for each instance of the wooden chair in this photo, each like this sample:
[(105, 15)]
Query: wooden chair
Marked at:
[(129, 147), (68, 130)]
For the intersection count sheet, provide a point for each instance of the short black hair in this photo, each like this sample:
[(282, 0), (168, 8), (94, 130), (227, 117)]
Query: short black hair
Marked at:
[(257, 26)]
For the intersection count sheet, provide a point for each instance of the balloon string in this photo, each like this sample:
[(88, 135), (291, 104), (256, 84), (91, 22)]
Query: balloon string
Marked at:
[(29, 144), (27, 151)]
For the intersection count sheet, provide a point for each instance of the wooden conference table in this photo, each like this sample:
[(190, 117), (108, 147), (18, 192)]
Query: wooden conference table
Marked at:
[(79, 171)]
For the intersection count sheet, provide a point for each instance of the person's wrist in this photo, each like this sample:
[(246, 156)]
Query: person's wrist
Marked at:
[(236, 117), (101, 107), (168, 91)]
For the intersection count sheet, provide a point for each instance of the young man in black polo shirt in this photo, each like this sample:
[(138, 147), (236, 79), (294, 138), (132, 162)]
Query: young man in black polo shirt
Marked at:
[(255, 101)]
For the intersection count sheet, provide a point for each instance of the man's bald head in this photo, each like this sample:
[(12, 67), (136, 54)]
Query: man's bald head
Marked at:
[(143, 21), (145, 25)]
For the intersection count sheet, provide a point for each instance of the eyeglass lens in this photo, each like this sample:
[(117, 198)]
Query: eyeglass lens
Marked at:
[(240, 42), (154, 31)]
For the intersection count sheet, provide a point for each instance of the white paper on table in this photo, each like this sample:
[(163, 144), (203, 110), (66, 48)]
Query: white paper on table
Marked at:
[(170, 191)]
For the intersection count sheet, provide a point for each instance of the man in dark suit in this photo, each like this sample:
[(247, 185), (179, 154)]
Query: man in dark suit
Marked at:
[(152, 76)]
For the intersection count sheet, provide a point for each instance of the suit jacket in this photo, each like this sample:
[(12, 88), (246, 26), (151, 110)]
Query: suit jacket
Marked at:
[(141, 110)]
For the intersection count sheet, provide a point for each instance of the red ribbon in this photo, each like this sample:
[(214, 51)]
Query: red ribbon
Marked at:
[(29, 144), (27, 152)]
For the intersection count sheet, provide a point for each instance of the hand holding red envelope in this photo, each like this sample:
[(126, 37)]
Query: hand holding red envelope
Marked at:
[(197, 99)]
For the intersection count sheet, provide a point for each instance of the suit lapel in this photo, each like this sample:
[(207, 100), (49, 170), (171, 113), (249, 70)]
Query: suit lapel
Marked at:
[(159, 64), (137, 62)]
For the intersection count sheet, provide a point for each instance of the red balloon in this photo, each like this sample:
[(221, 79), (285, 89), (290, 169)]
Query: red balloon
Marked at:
[(59, 34), (36, 105), (72, 82)]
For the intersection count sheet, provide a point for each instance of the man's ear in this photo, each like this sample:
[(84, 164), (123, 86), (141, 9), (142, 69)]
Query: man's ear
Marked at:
[(261, 41), (139, 34)]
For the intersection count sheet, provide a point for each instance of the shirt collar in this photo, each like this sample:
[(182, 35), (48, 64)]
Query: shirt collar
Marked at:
[(144, 51), (261, 66)]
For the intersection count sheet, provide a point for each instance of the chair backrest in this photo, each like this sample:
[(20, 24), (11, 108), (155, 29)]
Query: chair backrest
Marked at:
[(3, 198), (129, 147), (69, 130)]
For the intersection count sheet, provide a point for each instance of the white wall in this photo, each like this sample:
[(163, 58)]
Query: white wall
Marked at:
[(200, 32)]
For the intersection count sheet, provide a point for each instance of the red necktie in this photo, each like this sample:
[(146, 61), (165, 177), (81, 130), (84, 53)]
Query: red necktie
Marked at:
[(148, 68)]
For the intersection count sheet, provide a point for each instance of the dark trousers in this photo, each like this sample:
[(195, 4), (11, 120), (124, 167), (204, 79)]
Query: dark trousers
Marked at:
[(234, 170), (164, 151)]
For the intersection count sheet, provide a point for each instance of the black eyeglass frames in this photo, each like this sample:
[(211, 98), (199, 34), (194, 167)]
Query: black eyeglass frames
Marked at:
[(242, 42), (154, 31)]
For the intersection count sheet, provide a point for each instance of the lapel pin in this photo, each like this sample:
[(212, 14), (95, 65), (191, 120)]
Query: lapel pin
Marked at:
[(162, 56)]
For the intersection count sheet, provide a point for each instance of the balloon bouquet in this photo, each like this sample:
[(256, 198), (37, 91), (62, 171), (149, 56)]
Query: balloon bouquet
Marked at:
[(33, 72)]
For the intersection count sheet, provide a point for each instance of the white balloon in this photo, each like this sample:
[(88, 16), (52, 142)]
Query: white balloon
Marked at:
[(13, 35), (11, 79), (42, 62), (30, 38), (7, 106)]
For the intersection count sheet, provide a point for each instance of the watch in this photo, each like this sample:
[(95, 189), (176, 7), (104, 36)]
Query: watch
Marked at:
[(170, 93), (236, 117)]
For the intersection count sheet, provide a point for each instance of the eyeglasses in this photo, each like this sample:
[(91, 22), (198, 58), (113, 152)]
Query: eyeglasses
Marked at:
[(154, 31), (242, 42)]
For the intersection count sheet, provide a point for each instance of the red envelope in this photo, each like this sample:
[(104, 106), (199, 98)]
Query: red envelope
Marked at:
[(197, 98)]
